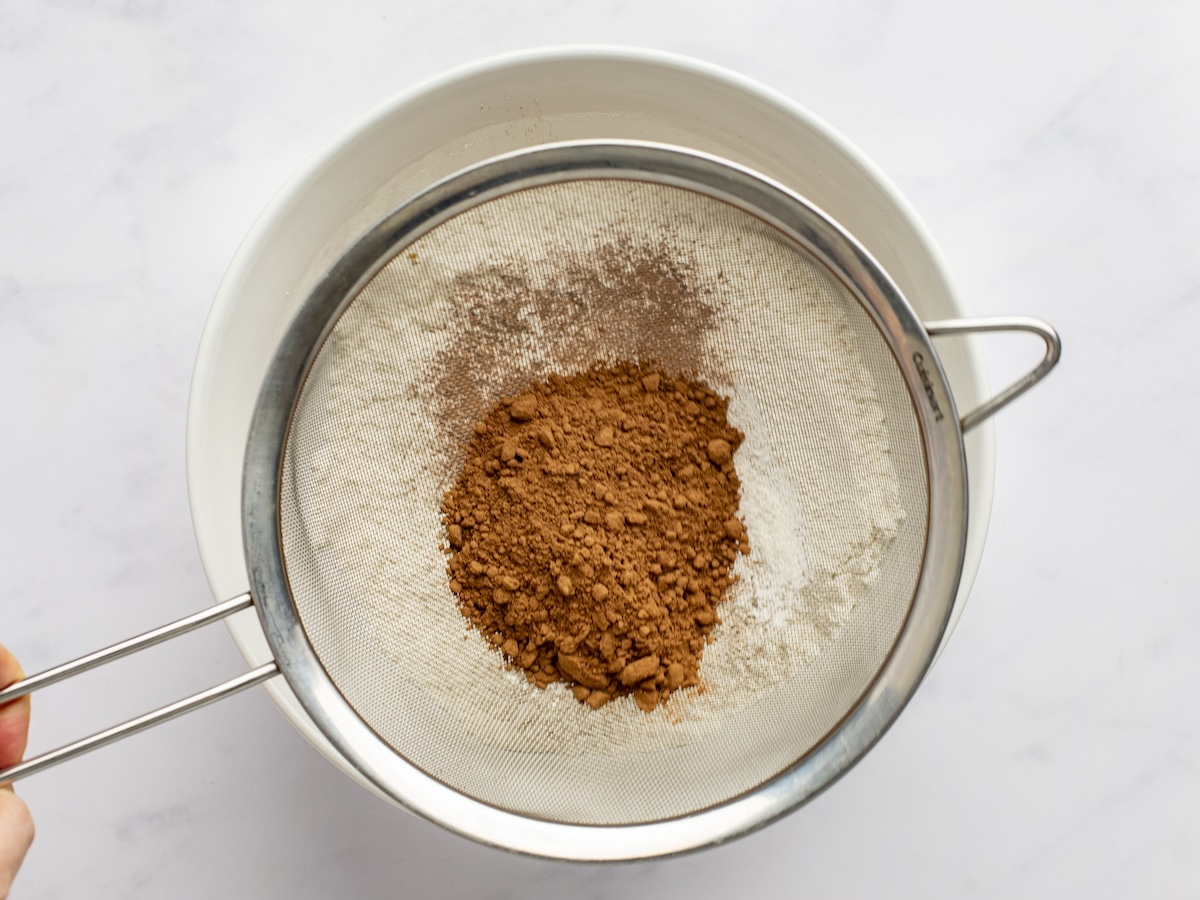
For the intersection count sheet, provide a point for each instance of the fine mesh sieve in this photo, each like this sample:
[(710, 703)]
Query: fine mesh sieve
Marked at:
[(377, 437), (520, 267)]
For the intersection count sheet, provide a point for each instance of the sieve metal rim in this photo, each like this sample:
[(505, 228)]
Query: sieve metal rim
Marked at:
[(916, 359)]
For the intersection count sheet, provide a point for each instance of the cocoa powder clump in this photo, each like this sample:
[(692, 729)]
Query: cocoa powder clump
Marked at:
[(593, 528)]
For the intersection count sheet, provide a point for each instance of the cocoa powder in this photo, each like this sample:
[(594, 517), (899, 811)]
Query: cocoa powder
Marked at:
[(592, 530), (609, 302)]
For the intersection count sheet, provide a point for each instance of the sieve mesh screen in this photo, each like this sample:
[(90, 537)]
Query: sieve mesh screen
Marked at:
[(556, 278)]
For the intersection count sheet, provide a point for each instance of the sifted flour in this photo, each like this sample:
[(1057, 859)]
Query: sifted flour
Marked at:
[(438, 335)]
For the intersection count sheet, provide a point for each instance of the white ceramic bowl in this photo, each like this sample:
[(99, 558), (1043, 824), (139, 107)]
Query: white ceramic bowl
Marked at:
[(470, 114)]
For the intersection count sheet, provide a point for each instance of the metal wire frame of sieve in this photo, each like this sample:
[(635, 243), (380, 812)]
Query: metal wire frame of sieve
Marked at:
[(890, 663)]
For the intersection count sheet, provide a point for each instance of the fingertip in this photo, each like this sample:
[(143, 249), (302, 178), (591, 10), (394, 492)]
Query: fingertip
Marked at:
[(14, 731), (10, 669), (14, 716)]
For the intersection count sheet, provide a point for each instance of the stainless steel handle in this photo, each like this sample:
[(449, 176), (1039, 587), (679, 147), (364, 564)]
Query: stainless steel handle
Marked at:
[(1003, 323), (141, 723)]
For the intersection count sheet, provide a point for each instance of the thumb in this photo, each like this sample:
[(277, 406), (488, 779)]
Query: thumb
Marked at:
[(16, 834)]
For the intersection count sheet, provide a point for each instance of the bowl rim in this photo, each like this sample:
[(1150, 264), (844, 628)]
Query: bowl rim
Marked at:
[(244, 627)]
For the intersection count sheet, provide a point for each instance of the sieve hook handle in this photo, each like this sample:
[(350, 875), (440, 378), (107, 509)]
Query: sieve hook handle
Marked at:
[(1003, 323), (141, 723)]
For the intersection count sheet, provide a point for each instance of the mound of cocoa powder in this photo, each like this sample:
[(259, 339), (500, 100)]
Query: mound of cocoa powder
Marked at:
[(592, 530)]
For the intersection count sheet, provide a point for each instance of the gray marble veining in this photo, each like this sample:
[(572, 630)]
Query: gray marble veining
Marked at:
[(1052, 147)]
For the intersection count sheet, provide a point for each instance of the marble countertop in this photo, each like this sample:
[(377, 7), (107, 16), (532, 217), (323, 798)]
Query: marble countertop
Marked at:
[(1053, 149)]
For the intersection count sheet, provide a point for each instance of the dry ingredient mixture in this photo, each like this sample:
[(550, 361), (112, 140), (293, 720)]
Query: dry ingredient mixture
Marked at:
[(593, 529), (615, 301), (552, 280), (504, 296)]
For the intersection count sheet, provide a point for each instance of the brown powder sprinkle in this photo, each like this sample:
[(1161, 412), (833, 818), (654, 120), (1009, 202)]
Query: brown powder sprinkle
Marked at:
[(593, 527), (606, 303)]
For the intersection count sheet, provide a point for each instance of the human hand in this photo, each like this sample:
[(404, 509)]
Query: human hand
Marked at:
[(16, 825)]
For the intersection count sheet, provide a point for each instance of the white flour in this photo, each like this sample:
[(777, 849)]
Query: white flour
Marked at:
[(819, 491)]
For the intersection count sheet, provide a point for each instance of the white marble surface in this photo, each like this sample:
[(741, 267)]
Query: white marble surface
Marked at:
[(1052, 147)]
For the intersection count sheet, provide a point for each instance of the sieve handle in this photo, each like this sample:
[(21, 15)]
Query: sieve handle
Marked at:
[(1003, 323), (141, 723)]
